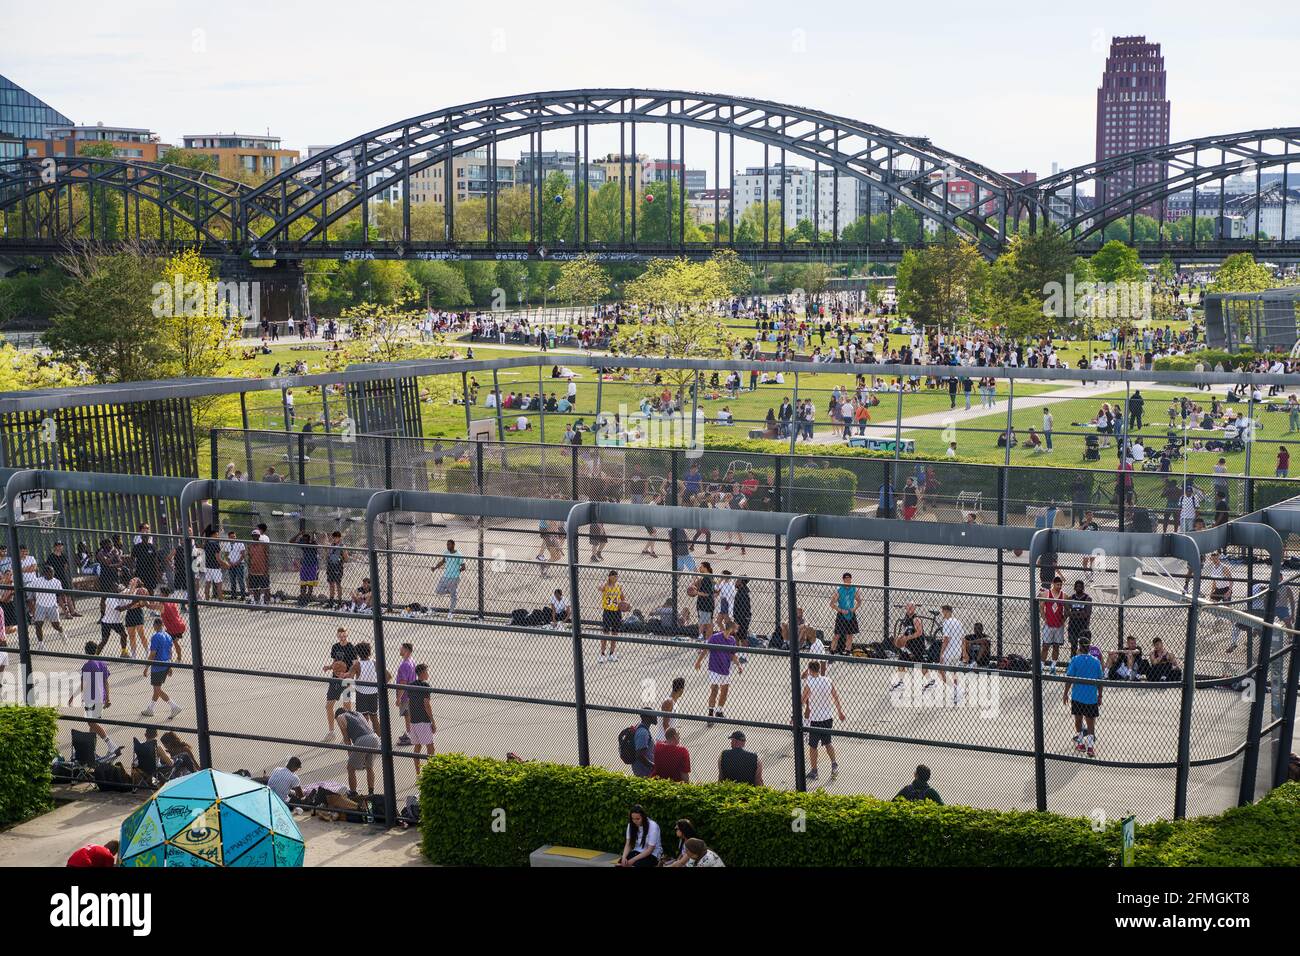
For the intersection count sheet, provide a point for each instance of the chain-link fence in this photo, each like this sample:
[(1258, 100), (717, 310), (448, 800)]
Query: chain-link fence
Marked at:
[(545, 631)]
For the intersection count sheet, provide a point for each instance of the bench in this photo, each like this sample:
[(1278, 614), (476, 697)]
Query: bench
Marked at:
[(550, 855)]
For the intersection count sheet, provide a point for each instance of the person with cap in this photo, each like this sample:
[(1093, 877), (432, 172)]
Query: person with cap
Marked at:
[(93, 854), (740, 765)]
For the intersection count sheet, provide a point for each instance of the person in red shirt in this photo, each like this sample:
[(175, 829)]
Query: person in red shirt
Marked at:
[(92, 854), (1283, 462), (173, 624), (1053, 628), (672, 760)]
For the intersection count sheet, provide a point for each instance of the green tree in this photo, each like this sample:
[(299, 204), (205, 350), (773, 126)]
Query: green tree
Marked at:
[(935, 283), (102, 318), (1241, 273), (1117, 262), (441, 283), (582, 280)]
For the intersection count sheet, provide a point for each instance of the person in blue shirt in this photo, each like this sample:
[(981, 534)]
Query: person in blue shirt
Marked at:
[(1084, 698), (845, 604), (160, 653), (451, 563)]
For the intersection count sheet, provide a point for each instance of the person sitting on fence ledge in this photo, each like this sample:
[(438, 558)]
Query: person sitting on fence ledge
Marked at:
[(919, 789)]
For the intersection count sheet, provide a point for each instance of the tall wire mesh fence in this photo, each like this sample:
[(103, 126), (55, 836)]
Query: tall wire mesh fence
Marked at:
[(489, 604)]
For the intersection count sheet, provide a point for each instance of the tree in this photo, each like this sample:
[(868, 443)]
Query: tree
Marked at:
[(1241, 273), (582, 280), (1117, 262), (441, 283), (749, 226), (683, 324), (199, 329), (935, 283), (102, 319)]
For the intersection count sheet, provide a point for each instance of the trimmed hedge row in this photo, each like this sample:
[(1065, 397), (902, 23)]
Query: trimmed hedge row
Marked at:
[(1207, 357), (537, 803), (26, 752), (483, 812)]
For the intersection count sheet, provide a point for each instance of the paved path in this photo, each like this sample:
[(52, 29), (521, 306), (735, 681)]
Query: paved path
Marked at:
[(961, 414)]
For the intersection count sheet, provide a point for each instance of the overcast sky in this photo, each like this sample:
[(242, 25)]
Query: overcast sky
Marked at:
[(992, 81)]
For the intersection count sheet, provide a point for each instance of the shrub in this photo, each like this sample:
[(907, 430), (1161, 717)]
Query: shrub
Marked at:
[(540, 803), (1207, 357), (483, 812), (26, 752)]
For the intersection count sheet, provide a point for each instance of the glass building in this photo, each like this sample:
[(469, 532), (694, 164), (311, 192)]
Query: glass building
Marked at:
[(23, 117)]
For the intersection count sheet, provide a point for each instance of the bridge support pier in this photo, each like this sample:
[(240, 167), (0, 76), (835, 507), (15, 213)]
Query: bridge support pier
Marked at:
[(277, 290)]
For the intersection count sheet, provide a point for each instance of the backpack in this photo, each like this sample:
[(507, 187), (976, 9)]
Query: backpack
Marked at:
[(113, 778), (519, 617), (410, 814), (627, 744)]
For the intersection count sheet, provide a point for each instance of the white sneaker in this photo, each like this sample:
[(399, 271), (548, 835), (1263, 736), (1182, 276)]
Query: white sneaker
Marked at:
[(600, 659), (147, 712), (176, 709), (613, 657)]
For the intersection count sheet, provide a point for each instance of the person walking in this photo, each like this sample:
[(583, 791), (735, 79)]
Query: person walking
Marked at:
[(720, 651), (819, 697), (160, 653)]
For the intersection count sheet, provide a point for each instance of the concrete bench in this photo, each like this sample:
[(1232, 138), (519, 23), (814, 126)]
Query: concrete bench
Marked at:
[(549, 855)]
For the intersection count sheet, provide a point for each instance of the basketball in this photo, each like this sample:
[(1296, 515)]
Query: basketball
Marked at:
[(339, 669)]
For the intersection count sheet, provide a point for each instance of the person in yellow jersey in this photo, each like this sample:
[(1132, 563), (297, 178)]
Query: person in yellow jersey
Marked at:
[(612, 606)]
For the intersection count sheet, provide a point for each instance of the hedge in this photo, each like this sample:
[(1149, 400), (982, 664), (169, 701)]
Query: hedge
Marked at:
[(26, 752), (482, 812), (533, 804), (1207, 357)]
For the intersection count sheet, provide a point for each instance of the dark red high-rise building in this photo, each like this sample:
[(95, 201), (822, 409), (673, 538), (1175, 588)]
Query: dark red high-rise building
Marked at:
[(1132, 112)]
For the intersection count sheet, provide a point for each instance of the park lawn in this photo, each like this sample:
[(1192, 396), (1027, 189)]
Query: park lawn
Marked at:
[(977, 437)]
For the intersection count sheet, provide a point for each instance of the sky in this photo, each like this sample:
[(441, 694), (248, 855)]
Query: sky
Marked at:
[(1012, 86)]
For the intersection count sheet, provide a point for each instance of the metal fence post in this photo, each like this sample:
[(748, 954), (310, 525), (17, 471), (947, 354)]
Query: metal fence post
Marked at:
[(19, 482), (1040, 542), (1002, 520), (302, 458), (384, 502), (196, 638), (481, 521), (799, 527), (248, 440), (1259, 679), (496, 391), (212, 473), (583, 513), (1183, 773)]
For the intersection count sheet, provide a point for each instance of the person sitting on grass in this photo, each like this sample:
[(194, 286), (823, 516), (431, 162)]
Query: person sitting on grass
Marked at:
[(1034, 443)]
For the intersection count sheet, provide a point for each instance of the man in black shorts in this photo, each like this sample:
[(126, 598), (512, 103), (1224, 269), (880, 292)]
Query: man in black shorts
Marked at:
[(342, 654), (910, 644), (845, 604)]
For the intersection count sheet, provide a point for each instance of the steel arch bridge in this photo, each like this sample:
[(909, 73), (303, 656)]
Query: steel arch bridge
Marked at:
[(336, 204)]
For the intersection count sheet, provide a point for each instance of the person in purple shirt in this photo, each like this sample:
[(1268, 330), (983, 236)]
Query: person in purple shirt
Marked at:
[(94, 694), (720, 650), (405, 675)]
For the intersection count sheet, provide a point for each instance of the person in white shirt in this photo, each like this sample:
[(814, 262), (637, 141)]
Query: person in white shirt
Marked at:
[(644, 843), (110, 621), (284, 781), (953, 650), (44, 604), (559, 609), (819, 697), (699, 854)]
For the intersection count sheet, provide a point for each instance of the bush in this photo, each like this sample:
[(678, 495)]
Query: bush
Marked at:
[(483, 812), (26, 752), (1266, 833), (540, 803), (1207, 357)]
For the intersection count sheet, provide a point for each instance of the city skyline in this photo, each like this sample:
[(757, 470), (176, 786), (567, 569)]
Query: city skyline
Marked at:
[(1027, 109)]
